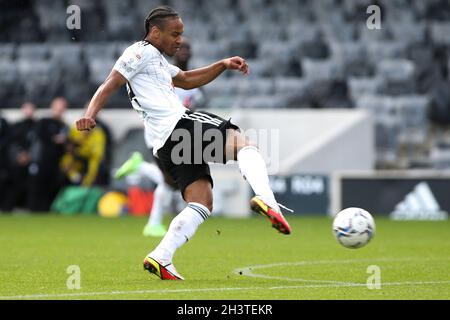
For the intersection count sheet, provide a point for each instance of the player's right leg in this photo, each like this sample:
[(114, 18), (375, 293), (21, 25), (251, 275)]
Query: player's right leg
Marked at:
[(164, 192), (161, 198)]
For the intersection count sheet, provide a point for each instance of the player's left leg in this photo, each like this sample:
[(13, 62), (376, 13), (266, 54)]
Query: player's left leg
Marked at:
[(253, 169)]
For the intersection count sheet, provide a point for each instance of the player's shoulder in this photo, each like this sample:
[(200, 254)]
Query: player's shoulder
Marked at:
[(142, 49)]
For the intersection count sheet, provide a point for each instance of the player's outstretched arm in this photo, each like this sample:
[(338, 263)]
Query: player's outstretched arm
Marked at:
[(199, 77), (114, 81)]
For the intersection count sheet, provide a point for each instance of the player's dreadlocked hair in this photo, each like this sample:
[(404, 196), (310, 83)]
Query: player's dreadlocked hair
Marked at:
[(156, 17)]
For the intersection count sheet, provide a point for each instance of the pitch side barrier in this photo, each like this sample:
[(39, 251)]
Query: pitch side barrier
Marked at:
[(401, 195), (305, 194)]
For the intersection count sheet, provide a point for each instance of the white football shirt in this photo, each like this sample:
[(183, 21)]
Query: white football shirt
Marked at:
[(151, 90)]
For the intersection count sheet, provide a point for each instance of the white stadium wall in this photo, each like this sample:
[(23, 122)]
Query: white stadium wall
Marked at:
[(315, 141)]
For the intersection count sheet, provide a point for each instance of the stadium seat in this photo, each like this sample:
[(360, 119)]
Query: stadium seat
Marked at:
[(222, 86), (413, 110), (398, 77), (370, 36), (353, 58), (34, 70), (66, 53), (413, 32), (269, 49), (204, 49), (382, 50), (7, 51), (100, 50), (386, 135), (32, 52), (322, 69), (374, 102), (363, 86), (396, 69), (224, 101), (255, 86), (50, 13), (440, 32), (440, 158), (263, 102), (301, 53), (301, 31), (261, 67), (284, 85), (347, 51), (99, 69), (341, 32)]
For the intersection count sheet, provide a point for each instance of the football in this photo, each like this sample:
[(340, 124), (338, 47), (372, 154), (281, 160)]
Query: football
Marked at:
[(353, 227)]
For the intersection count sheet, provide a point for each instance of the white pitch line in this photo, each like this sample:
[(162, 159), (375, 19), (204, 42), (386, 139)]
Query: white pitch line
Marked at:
[(164, 291), (248, 271)]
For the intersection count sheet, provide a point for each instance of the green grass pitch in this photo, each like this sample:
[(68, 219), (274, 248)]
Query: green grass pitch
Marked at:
[(227, 259)]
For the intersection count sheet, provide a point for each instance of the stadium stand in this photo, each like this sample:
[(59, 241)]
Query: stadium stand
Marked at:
[(302, 53)]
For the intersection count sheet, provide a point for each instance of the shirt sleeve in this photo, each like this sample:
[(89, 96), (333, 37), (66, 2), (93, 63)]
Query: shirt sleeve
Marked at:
[(174, 70), (130, 63)]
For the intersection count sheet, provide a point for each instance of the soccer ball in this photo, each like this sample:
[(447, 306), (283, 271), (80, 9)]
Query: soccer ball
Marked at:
[(353, 227)]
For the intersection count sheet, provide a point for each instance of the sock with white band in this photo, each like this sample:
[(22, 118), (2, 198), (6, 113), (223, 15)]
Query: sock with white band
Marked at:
[(253, 169), (181, 229)]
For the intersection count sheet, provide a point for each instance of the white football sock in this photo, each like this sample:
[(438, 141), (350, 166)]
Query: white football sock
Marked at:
[(181, 229), (253, 169), (162, 197)]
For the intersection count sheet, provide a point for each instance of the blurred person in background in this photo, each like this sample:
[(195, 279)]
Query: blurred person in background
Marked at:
[(4, 165), (104, 170), (191, 98), (21, 139), (84, 153), (48, 149), (166, 189)]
